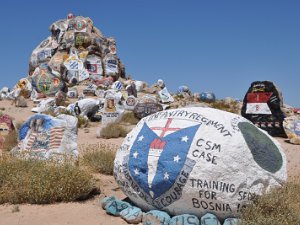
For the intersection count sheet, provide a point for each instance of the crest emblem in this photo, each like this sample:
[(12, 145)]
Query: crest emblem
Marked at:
[(157, 161)]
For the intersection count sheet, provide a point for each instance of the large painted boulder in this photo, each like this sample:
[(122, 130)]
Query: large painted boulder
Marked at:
[(262, 105), (46, 137), (197, 161)]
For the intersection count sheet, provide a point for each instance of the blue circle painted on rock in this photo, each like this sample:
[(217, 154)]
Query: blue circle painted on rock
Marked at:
[(207, 97)]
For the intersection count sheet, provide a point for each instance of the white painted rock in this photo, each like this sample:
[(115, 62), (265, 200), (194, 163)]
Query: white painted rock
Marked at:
[(86, 105), (45, 105), (198, 161), (46, 137)]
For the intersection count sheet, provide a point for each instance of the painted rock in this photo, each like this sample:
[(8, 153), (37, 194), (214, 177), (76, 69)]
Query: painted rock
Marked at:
[(107, 200), (46, 137), (115, 207), (132, 215), (156, 217), (263, 105), (196, 161), (207, 97), (291, 127), (184, 219), (231, 221), (209, 219)]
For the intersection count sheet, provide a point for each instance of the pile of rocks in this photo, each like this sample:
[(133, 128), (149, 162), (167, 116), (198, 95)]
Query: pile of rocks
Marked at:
[(134, 215)]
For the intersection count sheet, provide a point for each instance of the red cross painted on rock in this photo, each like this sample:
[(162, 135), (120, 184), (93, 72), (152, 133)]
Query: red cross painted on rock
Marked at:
[(166, 128), (158, 143)]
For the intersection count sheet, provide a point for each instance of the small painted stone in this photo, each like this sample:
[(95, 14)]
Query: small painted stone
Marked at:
[(231, 221), (132, 215), (116, 206), (184, 219), (106, 201), (209, 219), (156, 217)]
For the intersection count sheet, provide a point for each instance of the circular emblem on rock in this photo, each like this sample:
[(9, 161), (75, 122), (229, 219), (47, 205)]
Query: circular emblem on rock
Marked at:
[(80, 25), (197, 160)]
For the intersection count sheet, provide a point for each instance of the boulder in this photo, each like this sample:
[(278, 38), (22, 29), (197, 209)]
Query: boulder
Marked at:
[(291, 127), (209, 219), (132, 215), (90, 90), (86, 106), (115, 207), (165, 96), (155, 217), (197, 161), (72, 93), (45, 105), (111, 112), (130, 103), (46, 137), (183, 90), (262, 105), (107, 200), (131, 89), (184, 219), (231, 221), (207, 97), (142, 110)]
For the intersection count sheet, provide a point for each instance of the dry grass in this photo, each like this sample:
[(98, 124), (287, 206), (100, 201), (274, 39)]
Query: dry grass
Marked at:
[(232, 107), (11, 140), (113, 130), (82, 122), (280, 207), (99, 158), (129, 118), (40, 182)]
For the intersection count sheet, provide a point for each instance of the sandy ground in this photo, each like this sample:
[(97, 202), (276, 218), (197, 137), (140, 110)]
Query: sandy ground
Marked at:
[(90, 212)]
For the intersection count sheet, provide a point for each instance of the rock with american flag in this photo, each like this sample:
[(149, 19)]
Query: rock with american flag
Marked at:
[(47, 137), (198, 160)]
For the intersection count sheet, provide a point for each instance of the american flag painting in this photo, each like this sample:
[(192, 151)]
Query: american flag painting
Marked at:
[(44, 141)]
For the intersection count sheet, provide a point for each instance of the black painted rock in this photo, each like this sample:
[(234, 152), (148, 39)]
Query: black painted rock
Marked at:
[(262, 105)]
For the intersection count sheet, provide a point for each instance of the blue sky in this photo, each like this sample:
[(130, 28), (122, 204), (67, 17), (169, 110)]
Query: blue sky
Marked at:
[(212, 45)]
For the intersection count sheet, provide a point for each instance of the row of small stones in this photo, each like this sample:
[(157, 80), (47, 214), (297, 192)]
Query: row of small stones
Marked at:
[(134, 215)]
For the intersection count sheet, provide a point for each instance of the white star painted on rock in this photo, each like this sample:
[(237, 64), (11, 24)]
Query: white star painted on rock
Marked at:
[(141, 138), (166, 176), (176, 158), (136, 171), (185, 138), (135, 154)]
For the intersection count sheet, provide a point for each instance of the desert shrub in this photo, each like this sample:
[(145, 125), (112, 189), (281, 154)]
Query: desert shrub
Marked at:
[(129, 118), (113, 130), (40, 182), (99, 158), (279, 207), (11, 140), (232, 107)]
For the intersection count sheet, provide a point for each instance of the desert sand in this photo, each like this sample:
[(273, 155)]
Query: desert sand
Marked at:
[(90, 212)]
